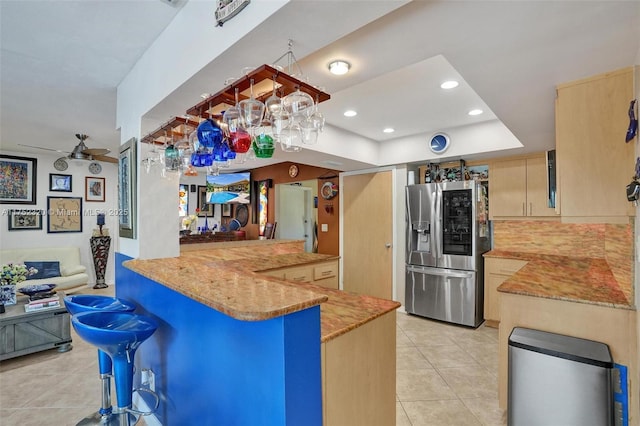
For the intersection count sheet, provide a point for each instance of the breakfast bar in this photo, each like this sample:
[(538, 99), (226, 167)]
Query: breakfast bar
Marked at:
[(238, 345)]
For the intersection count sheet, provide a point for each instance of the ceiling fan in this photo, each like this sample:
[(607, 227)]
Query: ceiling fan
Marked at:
[(82, 152)]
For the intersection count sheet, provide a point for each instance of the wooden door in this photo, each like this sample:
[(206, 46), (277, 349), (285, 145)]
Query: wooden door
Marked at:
[(368, 232), (537, 188)]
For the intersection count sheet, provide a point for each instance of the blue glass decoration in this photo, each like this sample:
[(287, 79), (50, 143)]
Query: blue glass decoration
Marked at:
[(209, 133)]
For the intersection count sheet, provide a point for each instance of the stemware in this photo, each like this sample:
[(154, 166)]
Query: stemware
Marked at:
[(251, 110), (291, 138), (299, 105), (273, 104)]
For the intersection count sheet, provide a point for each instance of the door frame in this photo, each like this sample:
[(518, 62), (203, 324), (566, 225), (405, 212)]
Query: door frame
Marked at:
[(398, 182)]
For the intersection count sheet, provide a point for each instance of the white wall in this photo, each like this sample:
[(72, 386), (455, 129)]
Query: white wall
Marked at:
[(78, 169)]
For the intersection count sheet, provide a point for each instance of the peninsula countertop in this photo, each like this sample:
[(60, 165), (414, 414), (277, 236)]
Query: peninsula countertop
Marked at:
[(229, 279), (574, 279)]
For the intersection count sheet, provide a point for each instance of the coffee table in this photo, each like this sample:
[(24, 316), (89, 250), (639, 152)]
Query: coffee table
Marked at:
[(22, 333)]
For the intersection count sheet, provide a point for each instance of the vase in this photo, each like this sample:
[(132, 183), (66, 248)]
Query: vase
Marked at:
[(100, 251), (7, 294)]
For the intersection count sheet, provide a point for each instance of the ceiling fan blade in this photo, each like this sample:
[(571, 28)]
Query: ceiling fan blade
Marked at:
[(46, 149), (105, 159), (96, 151)]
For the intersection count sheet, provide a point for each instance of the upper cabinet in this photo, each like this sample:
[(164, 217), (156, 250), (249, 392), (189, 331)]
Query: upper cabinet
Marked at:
[(518, 188), (594, 162)]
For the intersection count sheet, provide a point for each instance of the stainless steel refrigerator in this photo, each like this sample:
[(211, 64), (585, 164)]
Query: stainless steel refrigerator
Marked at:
[(447, 233)]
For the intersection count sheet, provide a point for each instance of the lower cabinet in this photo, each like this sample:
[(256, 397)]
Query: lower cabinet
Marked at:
[(325, 274), (496, 271)]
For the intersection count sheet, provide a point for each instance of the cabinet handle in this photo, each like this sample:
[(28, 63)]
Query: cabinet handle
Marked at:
[(524, 209), (324, 273), (530, 209)]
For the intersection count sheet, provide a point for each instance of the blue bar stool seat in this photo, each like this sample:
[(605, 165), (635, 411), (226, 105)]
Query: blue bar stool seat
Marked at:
[(79, 303), (118, 334)]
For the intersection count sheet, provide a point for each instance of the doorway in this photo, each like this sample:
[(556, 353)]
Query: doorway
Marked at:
[(295, 214)]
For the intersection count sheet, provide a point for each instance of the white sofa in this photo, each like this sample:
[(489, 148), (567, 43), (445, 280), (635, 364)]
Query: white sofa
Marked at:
[(72, 272)]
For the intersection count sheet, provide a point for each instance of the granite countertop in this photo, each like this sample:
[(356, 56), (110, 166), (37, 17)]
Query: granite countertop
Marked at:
[(230, 281), (574, 279)]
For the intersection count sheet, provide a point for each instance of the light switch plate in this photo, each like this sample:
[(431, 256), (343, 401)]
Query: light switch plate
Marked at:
[(324, 227)]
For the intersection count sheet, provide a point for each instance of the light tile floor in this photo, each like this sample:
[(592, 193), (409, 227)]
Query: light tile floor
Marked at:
[(446, 375)]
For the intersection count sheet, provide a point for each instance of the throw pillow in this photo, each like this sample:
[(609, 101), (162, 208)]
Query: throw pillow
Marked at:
[(45, 270)]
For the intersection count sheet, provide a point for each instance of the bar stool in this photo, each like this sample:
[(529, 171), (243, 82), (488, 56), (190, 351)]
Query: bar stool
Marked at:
[(118, 334), (79, 303)]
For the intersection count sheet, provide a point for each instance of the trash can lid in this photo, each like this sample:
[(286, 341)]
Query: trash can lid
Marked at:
[(558, 345)]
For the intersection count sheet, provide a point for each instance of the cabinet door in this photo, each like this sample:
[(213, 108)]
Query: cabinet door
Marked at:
[(594, 162), (496, 271), (507, 188), (537, 188)]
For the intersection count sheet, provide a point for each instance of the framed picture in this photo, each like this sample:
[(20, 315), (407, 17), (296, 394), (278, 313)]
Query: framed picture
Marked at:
[(204, 208), (61, 183), (183, 200), (23, 219), (94, 188), (127, 181), (227, 210), (64, 214), (18, 180)]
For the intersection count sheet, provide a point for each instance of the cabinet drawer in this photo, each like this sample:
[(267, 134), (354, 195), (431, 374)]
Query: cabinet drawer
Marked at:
[(503, 266), (328, 270), (299, 274)]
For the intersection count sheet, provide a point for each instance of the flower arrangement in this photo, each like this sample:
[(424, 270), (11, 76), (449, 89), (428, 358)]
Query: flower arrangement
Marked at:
[(190, 222), (14, 273)]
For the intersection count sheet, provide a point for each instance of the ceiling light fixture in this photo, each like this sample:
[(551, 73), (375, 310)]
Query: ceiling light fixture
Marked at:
[(475, 112), (389, 130), (339, 67), (350, 113), (449, 84)]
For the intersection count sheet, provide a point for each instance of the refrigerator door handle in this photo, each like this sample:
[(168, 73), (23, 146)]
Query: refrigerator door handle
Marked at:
[(438, 223), (434, 231), (441, 272)]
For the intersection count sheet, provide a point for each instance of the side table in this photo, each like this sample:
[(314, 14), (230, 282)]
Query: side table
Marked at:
[(22, 333)]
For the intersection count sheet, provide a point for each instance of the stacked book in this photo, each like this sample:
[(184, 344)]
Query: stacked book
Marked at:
[(38, 302)]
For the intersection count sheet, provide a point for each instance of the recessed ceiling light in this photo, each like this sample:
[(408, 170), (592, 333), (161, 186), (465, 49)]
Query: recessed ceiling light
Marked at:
[(449, 84), (205, 95), (339, 67), (389, 130), (350, 113), (475, 112)]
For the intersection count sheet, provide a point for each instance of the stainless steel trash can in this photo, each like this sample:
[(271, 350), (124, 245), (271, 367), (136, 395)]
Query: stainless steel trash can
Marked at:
[(558, 380)]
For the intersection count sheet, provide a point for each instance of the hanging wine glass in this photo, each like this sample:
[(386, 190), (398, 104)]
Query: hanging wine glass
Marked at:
[(317, 117), (263, 146), (291, 138), (299, 105), (251, 110), (273, 104)]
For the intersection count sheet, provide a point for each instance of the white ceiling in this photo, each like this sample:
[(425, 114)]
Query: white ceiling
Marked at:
[(61, 62)]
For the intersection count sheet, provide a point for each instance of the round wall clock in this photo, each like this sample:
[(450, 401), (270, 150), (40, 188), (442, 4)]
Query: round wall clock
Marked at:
[(293, 171), (95, 168), (61, 164), (439, 143), (242, 214)]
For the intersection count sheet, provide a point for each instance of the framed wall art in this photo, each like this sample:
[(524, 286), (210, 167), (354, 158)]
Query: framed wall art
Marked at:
[(60, 183), (127, 181), (18, 176), (204, 208), (94, 188), (24, 219), (227, 210), (64, 214)]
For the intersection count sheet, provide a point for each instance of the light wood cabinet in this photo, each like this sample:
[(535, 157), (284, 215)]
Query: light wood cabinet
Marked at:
[(594, 162), (325, 274), (496, 271), (518, 188)]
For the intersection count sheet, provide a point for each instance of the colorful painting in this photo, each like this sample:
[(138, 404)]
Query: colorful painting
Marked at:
[(183, 201), (263, 204), (17, 180)]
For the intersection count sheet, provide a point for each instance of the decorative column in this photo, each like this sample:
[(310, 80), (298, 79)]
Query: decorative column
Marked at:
[(100, 244)]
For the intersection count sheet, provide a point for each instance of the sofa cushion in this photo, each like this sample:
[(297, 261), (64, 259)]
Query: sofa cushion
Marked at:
[(46, 269), (72, 270)]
